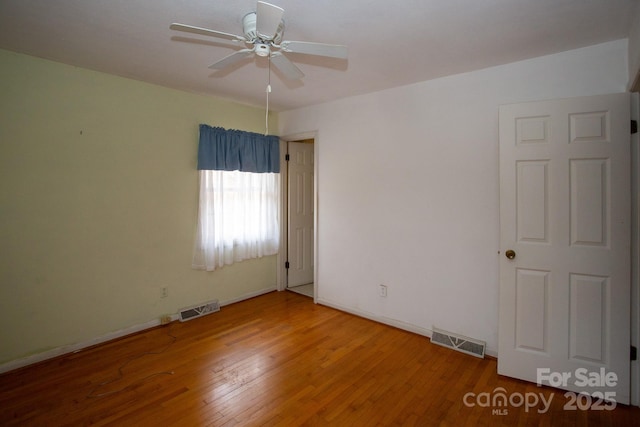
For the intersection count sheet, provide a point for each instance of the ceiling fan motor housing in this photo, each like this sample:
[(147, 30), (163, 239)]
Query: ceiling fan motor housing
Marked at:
[(262, 49), (251, 34)]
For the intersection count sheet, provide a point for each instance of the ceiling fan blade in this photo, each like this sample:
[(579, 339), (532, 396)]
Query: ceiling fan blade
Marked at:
[(321, 49), (229, 60), (287, 67), (206, 32), (268, 18)]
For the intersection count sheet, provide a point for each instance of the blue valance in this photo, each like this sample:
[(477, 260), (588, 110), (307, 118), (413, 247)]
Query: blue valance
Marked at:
[(231, 150)]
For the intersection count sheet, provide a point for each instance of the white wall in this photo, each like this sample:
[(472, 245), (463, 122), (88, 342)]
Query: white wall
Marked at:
[(98, 207), (634, 46), (408, 188)]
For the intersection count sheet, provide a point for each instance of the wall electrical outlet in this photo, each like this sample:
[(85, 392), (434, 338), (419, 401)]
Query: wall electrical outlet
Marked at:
[(382, 290), (164, 292)]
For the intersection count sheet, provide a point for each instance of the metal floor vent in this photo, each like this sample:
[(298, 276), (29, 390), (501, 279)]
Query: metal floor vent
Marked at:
[(199, 310), (458, 342)]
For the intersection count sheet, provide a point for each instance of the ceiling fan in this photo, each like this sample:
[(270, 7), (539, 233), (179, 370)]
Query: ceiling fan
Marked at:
[(263, 31)]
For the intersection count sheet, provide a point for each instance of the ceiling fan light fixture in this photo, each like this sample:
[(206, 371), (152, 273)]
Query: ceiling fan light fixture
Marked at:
[(262, 49)]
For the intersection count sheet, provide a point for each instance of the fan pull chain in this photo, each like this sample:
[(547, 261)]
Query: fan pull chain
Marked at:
[(266, 117)]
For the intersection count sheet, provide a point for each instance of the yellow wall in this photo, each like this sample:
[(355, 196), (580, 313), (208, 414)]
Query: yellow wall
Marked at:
[(98, 199)]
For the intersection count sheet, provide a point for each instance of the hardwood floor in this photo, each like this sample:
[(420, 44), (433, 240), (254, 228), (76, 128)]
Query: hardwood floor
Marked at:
[(278, 359)]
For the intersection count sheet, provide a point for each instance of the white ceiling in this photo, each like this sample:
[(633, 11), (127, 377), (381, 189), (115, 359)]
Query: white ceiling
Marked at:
[(390, 43)]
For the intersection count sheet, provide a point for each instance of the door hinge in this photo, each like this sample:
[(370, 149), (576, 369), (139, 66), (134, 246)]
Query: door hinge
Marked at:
[(634, 352), (286, 264), (634, 127), (286, 157)]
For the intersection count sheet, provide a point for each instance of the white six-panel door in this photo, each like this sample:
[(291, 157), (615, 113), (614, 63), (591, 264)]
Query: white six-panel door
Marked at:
[(565, 214), (300, 213)]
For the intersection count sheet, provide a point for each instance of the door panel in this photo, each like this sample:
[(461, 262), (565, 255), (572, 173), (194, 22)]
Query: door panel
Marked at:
[(589, 183), (532, 290), (565, 212), (587, 339), (532, 207)]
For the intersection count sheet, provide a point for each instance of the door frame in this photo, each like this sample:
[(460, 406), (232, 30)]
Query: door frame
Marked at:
[(635, 250), (281, 274)]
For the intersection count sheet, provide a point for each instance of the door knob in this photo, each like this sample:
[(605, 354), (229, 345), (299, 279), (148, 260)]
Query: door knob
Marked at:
[(510, 254)]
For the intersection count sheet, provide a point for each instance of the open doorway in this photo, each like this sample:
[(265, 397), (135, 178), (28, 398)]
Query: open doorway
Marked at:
[(299, 209)]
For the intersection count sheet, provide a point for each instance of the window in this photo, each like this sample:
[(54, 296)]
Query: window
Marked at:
[(238, 209), (238, 217)]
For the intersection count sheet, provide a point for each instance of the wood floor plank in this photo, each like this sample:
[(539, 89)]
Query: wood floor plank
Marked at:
[(275, 360)]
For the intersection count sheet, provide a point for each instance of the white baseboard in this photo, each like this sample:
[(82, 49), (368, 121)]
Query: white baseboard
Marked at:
[(73, 348), (391, 322), (248, 296)]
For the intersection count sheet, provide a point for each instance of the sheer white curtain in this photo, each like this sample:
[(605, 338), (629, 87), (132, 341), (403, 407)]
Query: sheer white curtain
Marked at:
[(237, 217)]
